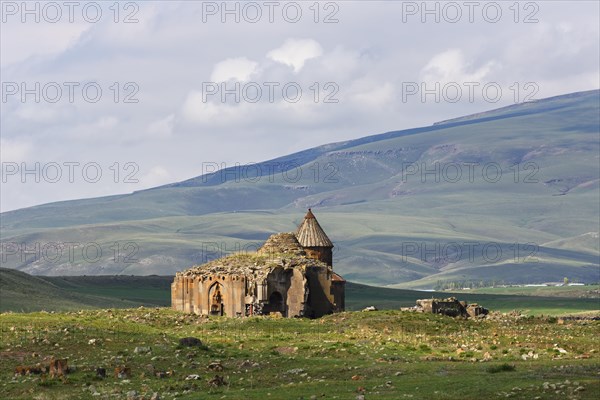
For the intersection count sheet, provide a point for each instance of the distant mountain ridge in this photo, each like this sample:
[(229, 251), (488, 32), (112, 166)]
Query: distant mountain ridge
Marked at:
[(373, 200)]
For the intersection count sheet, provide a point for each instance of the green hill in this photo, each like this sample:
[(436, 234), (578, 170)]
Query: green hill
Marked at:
[(513, 197), (25, 293)]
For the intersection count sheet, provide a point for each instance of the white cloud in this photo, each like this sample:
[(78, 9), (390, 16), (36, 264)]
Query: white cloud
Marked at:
[(162, 127), (195, 109), (101, 128), (38, 40), (451, 66), (239, 69), (42, 112), (15, 150), (341, 62), (157, 175), (375, 96), (212, 113), (295, 52), (107, 122), (554, 49)]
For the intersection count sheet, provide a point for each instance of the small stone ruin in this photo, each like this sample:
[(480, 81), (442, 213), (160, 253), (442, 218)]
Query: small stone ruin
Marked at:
[(450, 307)]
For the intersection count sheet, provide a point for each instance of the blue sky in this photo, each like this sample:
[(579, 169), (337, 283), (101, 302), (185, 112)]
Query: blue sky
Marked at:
[(304, 74)]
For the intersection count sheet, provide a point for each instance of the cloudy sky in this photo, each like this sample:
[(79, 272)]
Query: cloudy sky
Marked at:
[(99, 99)]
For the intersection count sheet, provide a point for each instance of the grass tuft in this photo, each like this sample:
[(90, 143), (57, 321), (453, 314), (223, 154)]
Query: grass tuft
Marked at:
[(493, 369)]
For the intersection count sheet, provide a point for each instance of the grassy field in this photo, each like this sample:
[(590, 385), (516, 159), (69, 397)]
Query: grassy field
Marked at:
[(142, 290), (381, 355), (21, 292), (587, 291), (357, 296)]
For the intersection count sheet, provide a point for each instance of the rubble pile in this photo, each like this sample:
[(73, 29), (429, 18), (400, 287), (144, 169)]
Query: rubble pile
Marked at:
[(282, 243), (280, 250), (450, 307)]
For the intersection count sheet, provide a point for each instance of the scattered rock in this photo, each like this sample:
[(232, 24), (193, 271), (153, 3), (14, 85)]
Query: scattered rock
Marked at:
[(58, 367), (286, 350), (142, 350), (370, 308), (294, 371), (249, 364), (560, 349), (101, 372), (27, 370), (132, 395), (190, 342), (217, 381), (122, 372), (215, 366)]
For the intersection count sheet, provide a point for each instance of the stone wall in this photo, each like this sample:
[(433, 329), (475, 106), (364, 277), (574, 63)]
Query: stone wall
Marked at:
[(449, 308), (278, 284), (320, 299), (475, 310), (338, 290), (197, 295), (232, 290), (300, 293), (323, 254), (297, 294)]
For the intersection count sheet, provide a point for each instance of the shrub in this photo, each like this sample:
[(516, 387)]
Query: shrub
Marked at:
[(492, 369), (47, 383), (424, 347)]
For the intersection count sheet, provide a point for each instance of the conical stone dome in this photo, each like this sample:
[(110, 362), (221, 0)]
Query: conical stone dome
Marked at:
[(310, 233)]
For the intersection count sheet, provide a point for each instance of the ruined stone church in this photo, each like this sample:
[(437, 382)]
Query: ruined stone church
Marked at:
[(291, 274)]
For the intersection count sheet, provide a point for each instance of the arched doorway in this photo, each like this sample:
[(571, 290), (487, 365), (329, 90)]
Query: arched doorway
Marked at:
[(276, 303), (215, 299)]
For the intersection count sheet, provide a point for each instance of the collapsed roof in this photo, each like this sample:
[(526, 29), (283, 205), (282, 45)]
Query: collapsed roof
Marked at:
[(280, 250)]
